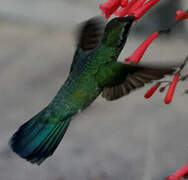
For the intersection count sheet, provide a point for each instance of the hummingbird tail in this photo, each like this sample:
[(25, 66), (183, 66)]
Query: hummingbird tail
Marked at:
[(39, 137)]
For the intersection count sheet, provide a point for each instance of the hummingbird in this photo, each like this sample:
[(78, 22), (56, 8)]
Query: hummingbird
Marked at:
[(94, 71)]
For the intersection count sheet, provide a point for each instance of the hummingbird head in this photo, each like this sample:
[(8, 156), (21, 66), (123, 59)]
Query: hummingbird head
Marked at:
[(116, 31)]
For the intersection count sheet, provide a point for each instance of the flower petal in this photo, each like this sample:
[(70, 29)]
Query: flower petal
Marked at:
[(151, 91), (180, 173), (124, 3), (121, 12), (181, 14), (141, 11), (124, 11), (136, 6), (139, 52), (171, 89), (109, 7)]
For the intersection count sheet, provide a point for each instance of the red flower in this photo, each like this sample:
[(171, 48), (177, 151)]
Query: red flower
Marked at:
[(139, 52), (141, 11), (131, 3), (180, 173), (181, 14), (124, 11), (151, 91), (121, 12), (109, 7), (124, 3), (171, 89), (135, 7)]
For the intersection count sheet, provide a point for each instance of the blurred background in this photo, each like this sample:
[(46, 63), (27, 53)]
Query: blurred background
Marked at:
[(129, 139)]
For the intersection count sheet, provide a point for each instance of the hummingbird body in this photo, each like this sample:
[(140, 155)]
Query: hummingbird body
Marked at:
[(91, 73), (94, 70), (82, 86)]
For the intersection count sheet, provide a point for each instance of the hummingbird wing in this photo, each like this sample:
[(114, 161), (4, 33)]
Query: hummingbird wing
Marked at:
[(90, 33), (136, 78), (89, 36)]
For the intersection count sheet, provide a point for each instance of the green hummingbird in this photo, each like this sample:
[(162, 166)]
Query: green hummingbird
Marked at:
[(94, 70)]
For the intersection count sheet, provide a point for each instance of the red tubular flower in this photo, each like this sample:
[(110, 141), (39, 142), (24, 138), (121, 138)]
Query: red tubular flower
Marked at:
[(151, 91), (124, 3), (171, 89), (109, 7), (131, 3), (141, 11), (180, 173), (181, 14), (123, 11), (139, 52), (136, 6)]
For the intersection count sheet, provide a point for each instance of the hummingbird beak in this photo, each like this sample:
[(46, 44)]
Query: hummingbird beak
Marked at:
[(128, 21), (128, 18)]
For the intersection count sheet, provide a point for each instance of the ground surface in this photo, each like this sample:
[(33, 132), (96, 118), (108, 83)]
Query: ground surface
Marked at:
[(128, 139)]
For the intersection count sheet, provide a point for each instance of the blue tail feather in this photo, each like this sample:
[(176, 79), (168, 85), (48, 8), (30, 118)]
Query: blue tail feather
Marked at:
[(37, 139)]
